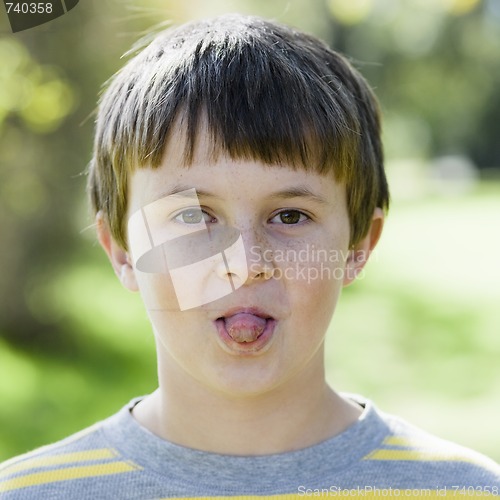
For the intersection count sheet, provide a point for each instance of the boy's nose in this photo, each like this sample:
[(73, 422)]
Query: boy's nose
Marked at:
[(247, 260)]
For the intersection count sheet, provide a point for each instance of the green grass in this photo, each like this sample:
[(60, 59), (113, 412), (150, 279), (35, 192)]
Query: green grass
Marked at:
[(418, 334)]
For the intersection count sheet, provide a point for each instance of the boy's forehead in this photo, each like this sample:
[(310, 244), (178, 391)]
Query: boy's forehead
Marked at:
[(212, 174), (184, 149), (204, 148)]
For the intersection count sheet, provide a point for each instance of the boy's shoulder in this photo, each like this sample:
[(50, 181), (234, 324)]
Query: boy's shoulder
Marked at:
[(408, 455), (56, 470)]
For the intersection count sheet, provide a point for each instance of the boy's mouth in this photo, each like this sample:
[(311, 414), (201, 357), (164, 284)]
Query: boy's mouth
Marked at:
[(247, 328), (244, 327)]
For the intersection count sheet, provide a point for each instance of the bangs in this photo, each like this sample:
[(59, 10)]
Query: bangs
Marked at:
[(259, 99), (256, 108)]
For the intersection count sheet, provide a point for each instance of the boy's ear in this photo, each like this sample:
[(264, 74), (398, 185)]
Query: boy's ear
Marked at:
[(359, 253), (119, 258)]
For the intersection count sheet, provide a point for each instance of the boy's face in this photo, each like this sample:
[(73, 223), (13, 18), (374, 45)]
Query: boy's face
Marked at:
[(247, 311)]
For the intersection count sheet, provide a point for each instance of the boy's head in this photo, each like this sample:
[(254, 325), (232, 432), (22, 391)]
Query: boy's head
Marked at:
[(238, 152), (261, 90)]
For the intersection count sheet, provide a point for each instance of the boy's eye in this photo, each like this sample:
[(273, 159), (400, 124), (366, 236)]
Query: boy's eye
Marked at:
[(193, 216), (289, 217)]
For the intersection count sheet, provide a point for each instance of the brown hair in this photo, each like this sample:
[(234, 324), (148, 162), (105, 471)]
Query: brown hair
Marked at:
[(266, 91)]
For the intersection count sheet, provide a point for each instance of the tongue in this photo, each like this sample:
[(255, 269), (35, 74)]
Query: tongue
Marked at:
[(245, 327)]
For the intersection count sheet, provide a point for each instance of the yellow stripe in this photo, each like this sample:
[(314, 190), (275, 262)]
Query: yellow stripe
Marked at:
[(66, 458), (67, 474), (244, 497), (416, 455), (380, 493), (402, 441)]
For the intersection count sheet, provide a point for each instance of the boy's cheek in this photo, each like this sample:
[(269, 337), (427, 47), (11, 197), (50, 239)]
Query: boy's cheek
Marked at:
[(321, 274), (315, 263), (157, 291)]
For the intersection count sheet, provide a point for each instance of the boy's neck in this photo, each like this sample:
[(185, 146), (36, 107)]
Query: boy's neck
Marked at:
[(297, 415)]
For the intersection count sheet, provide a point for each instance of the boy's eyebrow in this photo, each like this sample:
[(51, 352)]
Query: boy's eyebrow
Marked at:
[(299, 192), (185, 191)]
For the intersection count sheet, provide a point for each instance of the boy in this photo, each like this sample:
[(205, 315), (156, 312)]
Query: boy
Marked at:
[(238, 185)]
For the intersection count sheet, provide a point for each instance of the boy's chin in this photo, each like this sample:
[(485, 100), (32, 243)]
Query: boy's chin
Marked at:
[(246, 382)]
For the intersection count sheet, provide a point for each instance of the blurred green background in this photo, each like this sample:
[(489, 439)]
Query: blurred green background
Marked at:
[(419, 333)]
